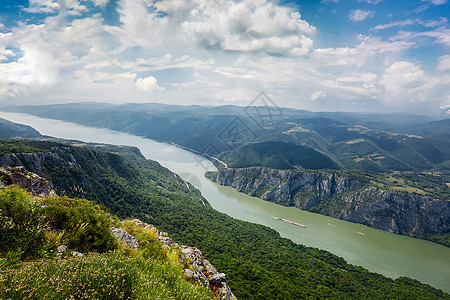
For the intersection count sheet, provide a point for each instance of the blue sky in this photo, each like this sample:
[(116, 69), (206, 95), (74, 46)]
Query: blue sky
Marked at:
[(348, 55)]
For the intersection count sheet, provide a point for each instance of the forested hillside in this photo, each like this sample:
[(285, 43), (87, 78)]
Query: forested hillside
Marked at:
[(259, 263), (299, 139)]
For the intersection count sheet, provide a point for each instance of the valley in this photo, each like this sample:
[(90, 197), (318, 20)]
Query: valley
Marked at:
[(376, 250)]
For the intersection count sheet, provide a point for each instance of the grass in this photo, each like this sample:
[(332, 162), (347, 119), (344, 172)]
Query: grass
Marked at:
[(112, 275), (152, 272)]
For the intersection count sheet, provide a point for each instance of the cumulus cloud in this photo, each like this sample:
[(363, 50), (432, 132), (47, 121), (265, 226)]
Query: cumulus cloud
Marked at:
[(148, 84), (42, 6), (406, 83), (443, 63), (210, 52), (101, 3), (241, 26), (359, 54), (360, 15), (401, 76)]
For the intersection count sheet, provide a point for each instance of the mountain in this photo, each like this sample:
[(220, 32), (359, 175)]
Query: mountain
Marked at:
[(259, 264), (392, 202), (372, 142), (13, 130)]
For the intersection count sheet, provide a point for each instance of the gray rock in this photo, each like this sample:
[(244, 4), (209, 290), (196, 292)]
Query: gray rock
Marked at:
[(33, 183), (62, 249), (125, 237), (77, 254), (401, 213)]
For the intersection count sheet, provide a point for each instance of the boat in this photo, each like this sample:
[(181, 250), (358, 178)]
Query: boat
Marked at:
[(292, 222)]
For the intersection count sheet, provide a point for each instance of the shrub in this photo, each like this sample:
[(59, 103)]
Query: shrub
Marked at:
[(85, 224), (20, 222)]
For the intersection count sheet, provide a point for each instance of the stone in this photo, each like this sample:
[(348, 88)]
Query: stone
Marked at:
[(125, 237), (77, 254)]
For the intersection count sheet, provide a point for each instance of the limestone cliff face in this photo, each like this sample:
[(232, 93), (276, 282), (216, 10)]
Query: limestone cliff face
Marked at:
[(35, 162), (342, 197), (31, 182)]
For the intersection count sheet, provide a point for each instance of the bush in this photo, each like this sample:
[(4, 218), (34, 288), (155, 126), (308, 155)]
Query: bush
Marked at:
[(20, 222), (85, 224)]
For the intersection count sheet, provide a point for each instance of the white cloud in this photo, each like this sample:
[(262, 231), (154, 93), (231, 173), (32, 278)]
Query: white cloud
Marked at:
[(402, 75), (317, 94), (441, 21), (148, 84), (435, 23), (441, 35), (360, 54), (443, 63), (242, 26), (437, 2), (406, 84), (371, 1), (101, 3), (392, 24), (210, 52), (42, 6), (360, 15)]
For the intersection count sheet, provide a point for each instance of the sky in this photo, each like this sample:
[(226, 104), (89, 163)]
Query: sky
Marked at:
[(321, 55)]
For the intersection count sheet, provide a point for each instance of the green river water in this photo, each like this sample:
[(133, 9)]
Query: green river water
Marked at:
[(379, 251)]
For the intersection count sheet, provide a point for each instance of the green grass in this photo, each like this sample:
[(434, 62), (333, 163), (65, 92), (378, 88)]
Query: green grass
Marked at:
[(31, 229), (98, 276)]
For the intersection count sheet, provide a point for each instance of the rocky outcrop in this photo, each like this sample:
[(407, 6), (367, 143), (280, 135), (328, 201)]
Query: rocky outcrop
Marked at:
[(125, 237), (342, 197), (401, 213), (33, 162), (197, 268), (31, 182)]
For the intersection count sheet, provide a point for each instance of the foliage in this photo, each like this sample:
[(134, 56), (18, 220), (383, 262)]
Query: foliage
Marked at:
[(98, 276), (18, 146), (278, 155), (150, 273), (85, 225), (21, 229), (259, 263)]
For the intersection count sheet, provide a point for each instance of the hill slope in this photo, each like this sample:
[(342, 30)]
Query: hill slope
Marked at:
[(373, 142)]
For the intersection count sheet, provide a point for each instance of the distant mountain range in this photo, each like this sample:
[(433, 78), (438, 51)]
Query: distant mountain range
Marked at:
[(274, 137)]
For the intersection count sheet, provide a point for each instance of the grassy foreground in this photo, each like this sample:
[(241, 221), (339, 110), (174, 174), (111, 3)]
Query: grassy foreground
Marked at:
[(30, 267)]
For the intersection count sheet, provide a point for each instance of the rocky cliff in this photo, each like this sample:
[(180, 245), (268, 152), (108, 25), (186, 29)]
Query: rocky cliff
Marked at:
[(342, 197), (31, 182)]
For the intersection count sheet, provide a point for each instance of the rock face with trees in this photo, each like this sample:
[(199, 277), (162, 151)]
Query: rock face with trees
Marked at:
[(343, 196)]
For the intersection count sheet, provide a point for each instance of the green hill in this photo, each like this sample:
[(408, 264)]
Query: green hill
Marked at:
[(373, 142)]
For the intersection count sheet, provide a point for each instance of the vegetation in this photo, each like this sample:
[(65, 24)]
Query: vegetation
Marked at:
[(10, 130), (259, 263), (371, 142), (278, 155), (30, 269)]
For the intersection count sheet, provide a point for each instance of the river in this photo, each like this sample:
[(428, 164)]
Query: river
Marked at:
[(379, 251)]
